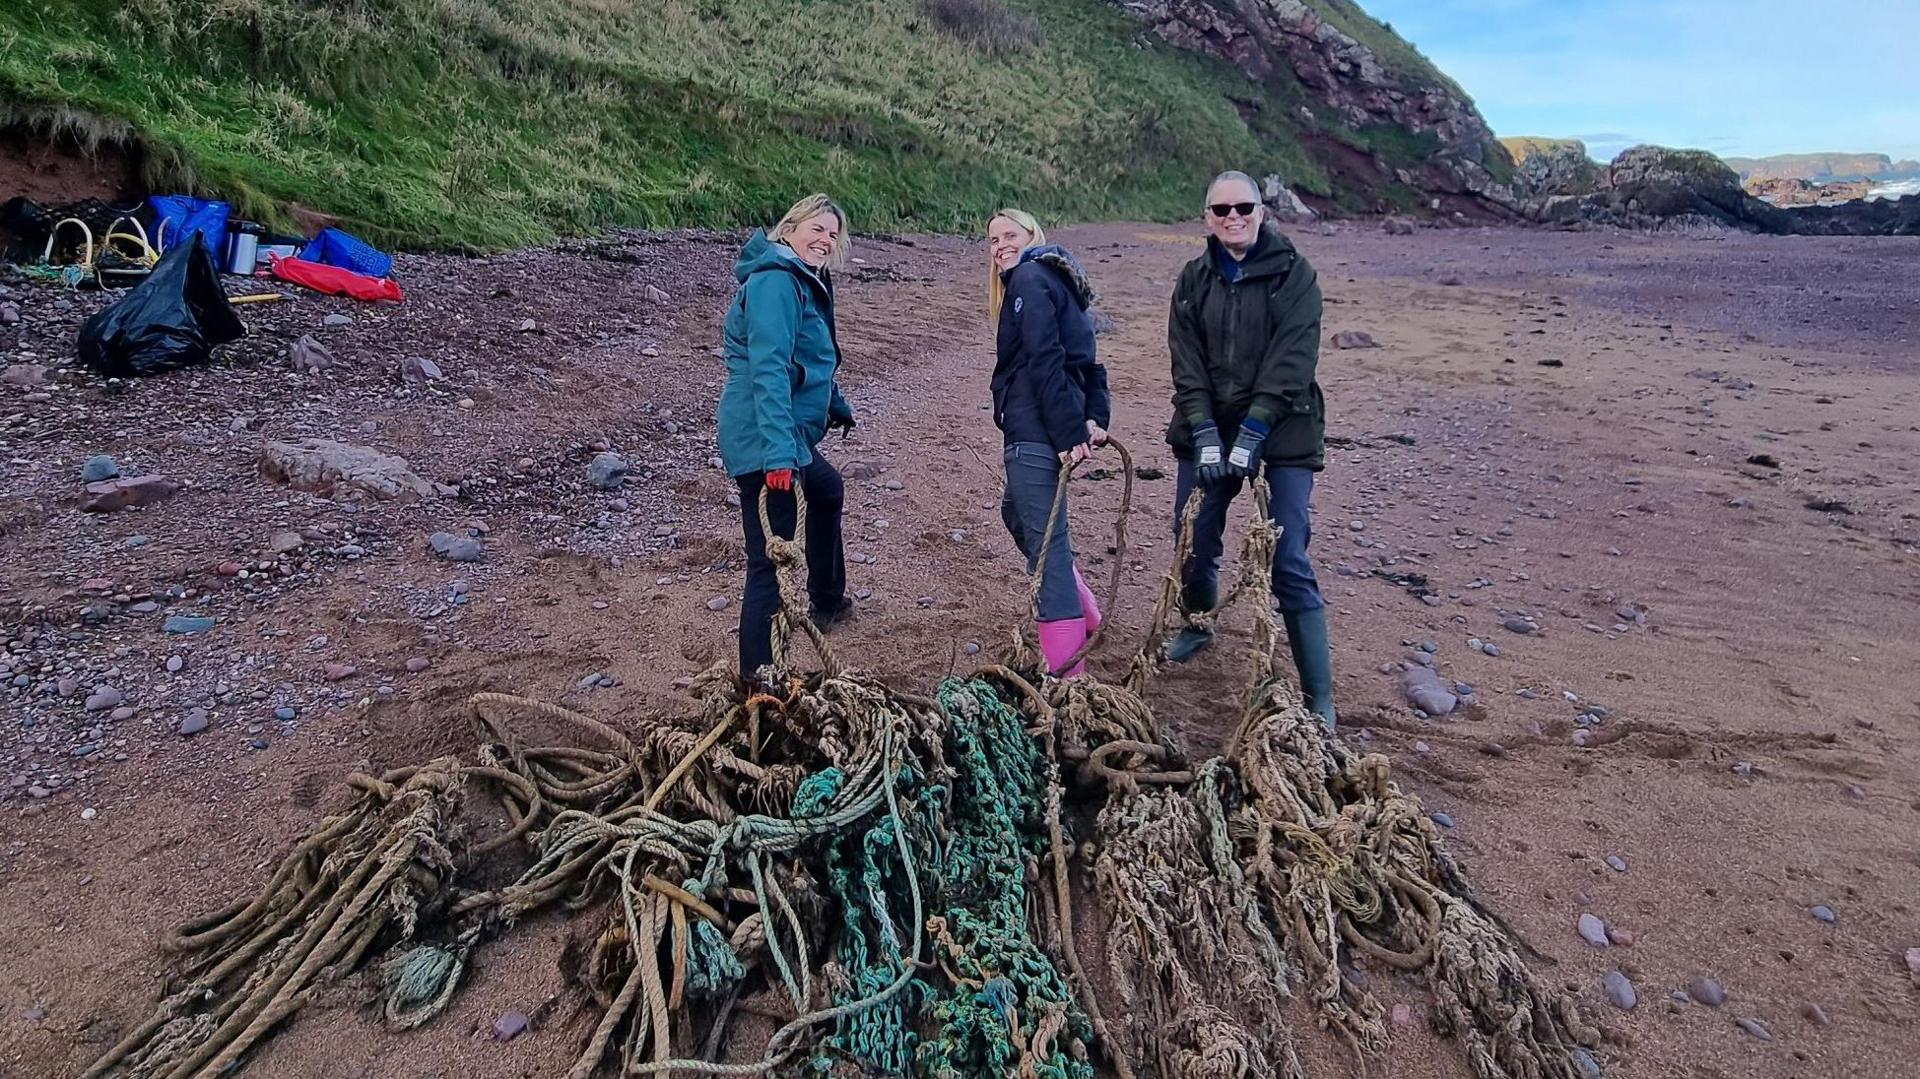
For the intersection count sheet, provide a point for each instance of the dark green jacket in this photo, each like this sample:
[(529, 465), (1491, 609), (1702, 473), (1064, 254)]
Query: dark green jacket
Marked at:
[(1249, 348)]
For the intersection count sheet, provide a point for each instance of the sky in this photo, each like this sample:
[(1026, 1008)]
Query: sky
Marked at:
[(1742, 78)]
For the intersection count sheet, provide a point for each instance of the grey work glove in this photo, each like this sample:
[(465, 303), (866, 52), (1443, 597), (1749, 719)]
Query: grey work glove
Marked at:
[(1209, 456)]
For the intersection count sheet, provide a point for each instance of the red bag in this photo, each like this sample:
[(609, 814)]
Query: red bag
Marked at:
[(334, 281)]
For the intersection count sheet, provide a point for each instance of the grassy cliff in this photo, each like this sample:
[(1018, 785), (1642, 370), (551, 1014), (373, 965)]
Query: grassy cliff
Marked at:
[(488, 123)]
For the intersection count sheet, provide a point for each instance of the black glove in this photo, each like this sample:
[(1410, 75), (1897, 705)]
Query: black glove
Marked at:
[(840, 414), (1244, 459), (1209, 456)]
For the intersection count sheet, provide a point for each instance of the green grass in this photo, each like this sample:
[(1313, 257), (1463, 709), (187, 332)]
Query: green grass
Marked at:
[(492, 123)]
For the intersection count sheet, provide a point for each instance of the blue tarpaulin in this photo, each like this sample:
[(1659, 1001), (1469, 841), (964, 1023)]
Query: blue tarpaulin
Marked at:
[(178, 217), (335, 248)]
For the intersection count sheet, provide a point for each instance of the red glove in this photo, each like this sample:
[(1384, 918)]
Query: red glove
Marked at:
[(780, 479)]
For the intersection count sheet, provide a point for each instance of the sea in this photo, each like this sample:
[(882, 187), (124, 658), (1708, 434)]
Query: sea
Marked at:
[(1897, 189)]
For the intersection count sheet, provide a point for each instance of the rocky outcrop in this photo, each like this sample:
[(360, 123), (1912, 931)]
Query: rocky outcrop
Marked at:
[(1657, 187), (1352, 85), (1784, 192), (1547, 167)]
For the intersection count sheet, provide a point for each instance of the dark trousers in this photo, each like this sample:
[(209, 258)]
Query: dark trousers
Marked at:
[(1033, 481), (1293, 582), (826, 553)]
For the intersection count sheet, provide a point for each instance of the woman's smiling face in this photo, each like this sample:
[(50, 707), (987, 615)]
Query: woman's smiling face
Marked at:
[(815, 239), (1005, 241)]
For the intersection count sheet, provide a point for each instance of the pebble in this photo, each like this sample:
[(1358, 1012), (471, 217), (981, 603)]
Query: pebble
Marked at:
[(1620, 992), (1582, 738), (509, 1026), (99, 467), (893, 485), (607, 471), (1744, 769), (1402, 1017), (194, 722), (1825, 914), (89, 813), (338, 672), (1622, 938), (718, 603), (1490, 649), (1518, 625), (187, 623), (1755, 1028), (1593, 930), (1442, 819), (1525, 694), (121, 715), (337, 320), (1815, 1014), (1708, 992), (286, 714), (1616, 863), (972, 648), (1589, 1067), (104, 699), (259, 743), (456, 548), (418, 664)]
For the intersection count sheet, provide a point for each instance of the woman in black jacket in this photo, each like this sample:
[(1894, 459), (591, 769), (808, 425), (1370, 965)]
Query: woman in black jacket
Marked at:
[(1050, 402)]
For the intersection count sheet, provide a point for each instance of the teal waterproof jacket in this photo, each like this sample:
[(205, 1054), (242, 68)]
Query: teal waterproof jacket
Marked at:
[(781, 352)]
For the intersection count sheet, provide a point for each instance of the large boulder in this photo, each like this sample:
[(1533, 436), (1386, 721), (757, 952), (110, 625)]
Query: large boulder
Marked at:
[(1544, 168), (1663, 182), (339, 470)]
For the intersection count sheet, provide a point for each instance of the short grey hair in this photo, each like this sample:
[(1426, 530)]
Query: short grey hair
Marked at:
[(1240, 177)]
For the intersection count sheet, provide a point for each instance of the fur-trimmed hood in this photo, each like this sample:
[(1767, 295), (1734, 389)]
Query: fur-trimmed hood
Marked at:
[(1060, 261)]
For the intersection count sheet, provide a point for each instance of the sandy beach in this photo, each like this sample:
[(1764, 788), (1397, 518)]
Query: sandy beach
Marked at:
[(1682, 464)]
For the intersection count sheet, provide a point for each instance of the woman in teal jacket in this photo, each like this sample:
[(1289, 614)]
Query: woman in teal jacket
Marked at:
[(779, 402)]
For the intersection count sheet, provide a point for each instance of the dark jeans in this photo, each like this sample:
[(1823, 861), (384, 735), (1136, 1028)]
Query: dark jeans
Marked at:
[(1294, 585), (1033, 477), (826, 554)]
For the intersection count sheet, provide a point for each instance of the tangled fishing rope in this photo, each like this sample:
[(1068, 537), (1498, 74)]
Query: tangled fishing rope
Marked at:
[(889, 879)]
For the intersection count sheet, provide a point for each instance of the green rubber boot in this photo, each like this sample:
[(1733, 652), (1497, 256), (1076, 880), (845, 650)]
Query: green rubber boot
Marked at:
[(1313, 660)]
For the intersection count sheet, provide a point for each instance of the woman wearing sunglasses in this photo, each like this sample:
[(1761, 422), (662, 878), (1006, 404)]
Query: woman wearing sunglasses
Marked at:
[(1050, 402), (779, 401), (1244, 331)]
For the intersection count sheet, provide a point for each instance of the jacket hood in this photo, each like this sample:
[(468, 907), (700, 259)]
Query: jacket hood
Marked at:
[(1057, 259), (764, 254), (1274, 254)]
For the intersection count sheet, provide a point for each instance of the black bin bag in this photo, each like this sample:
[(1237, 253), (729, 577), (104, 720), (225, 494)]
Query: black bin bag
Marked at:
[(173, 319)]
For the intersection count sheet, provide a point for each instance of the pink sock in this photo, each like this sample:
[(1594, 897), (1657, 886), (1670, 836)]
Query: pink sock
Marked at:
[(1089, 607), (1059, 641)]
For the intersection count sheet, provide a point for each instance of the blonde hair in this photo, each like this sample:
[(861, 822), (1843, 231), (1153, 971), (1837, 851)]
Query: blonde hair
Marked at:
[(806, 210), (996, 287)]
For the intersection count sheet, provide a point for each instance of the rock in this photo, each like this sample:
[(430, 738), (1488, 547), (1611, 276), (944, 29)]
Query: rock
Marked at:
[(1825, 914), (1547, 167), (286, 543), (1593, 930), (110, 495), (1615, 863), (1451, 280), (607, 471), (1518, 625), (1282, 203), (1397, 226), (1427, 692), (104, 699), (9, 314), (1402, 1017), (26, 374), (288, 713), (193, 722), (1621, 938), (894, 485), (337, 320), (341, 470), (339, 672), (176, 664), (1755, 1028), (418, 664), (1444, 820), (1354, 339), (259, 743), (1913, 965), (1620, 992), (1707, 991), (528, 325), (187, 623), (656, 295), (418, 371), (309, 357), (509, 1026), (456, 548), (718, 603), (99, 467), (1490, 649), (1815, 1014)]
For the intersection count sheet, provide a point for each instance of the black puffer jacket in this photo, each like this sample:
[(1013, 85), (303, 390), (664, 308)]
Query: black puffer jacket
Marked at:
[(1250, 347), (1046, 381)]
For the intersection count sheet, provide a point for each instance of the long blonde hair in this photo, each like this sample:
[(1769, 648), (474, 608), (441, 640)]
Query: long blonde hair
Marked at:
[(996, 287), (811, 207)]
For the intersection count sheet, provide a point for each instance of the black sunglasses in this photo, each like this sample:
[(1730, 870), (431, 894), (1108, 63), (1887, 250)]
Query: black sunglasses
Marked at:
[(1223, 209)]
